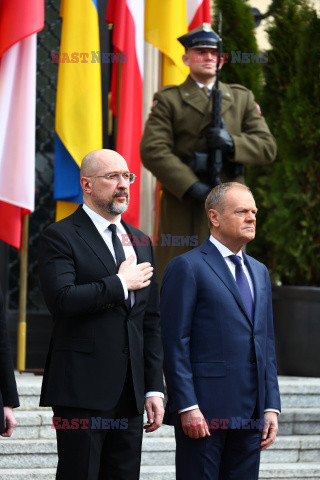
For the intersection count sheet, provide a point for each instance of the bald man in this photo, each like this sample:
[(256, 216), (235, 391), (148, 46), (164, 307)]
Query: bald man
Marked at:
[(105, 358)]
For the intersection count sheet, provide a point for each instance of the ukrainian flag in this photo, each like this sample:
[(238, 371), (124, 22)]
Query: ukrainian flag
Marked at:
[(79, 102)]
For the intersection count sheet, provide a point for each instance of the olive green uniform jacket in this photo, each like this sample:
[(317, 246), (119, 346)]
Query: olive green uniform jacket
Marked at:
[(176, 128)]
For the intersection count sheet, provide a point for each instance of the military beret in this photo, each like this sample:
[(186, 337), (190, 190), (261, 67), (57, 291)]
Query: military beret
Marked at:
[(200, 37)]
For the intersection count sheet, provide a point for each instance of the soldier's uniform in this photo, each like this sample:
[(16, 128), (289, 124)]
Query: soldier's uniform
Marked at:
[(176, 128)]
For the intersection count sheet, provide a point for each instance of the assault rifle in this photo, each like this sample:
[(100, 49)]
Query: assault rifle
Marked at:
[(209, 165), (215, 155)]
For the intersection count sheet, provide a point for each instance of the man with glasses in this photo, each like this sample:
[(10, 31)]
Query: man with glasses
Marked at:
[(105, 358)]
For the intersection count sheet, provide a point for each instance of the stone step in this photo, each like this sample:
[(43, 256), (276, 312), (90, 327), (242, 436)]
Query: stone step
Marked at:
[(155, 451), (299, 421), (292, 471), (271, 471), (298, 392), (160, 451), (295, 471), (292, 421), (28, 474)]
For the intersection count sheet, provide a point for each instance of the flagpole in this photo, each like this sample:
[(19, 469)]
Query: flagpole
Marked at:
[(148, 182), (22, 325)]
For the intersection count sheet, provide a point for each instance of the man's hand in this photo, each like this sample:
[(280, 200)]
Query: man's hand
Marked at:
[(136, 276), (270, 429), (220, 138), (155, 411), (194, 424), (10, 421), (199, 191)]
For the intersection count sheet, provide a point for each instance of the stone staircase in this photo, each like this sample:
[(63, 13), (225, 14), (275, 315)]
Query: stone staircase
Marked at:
[(31, 452)]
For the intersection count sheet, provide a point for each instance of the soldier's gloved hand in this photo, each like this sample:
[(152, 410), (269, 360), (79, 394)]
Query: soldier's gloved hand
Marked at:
[(199, 191), (220, 138)]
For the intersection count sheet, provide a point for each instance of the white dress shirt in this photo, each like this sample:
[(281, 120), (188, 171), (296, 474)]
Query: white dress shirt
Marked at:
[(225, 252), (209, 87), (102, 225)]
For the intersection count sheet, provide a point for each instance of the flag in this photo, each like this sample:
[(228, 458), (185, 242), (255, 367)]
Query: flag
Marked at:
[(79, 101), (127, 17), (165, 21), (198, 12), (19, 22)]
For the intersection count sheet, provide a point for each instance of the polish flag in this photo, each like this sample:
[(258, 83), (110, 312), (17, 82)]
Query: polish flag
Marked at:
[(127, 17), (198, 12), (19, 22)]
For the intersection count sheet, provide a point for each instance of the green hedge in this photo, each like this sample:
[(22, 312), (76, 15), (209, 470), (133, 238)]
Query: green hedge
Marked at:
[(288, 237), (238, 35)]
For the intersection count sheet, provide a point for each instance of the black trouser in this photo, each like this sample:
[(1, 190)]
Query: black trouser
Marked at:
[(100, 445)]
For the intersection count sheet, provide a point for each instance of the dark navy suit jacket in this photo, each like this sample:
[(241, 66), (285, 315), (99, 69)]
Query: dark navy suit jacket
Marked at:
[(214, 354)]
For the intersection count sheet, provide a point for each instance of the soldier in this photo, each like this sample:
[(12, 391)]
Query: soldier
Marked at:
[(180, 125)]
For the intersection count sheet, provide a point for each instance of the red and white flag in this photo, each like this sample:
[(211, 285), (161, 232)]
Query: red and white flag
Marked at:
[(127, 17), (19, 22), (198, 12)]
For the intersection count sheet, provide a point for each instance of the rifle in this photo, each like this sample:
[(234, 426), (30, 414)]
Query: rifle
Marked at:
[(210, 164), (215, 155)]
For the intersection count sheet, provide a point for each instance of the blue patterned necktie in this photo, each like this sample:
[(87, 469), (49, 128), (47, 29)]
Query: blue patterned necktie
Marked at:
[(243, 284)]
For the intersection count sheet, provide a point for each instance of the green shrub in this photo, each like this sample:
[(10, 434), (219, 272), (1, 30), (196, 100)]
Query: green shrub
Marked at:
[(238, 35), (288, 236)]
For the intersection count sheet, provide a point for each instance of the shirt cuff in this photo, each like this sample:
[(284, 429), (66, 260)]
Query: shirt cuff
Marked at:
[(154, 394), (124, 286), (275, 410), (194, 407)]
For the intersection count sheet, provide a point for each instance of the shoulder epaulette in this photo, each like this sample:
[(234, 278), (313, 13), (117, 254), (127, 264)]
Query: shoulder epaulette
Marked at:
[(238, 86), (168, 87)]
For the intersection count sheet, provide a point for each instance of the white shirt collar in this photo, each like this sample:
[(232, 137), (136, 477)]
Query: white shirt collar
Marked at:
[(225, 252), (209, 87), (100, 222)]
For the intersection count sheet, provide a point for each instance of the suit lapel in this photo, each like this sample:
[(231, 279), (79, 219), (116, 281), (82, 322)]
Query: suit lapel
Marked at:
[(216, 261), (88, 232)]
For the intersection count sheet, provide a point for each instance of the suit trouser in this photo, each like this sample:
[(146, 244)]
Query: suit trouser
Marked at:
[(229, 454), (103, 445)]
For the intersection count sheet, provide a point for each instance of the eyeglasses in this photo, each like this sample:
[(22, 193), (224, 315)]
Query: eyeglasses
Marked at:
[(115, 177)]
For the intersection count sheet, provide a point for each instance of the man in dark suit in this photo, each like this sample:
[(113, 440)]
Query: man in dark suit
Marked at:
[(105, 356), (8, 388), (219, 355)]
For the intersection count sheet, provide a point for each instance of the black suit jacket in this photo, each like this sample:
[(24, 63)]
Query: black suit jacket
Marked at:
[(8, 387), (94, 332)]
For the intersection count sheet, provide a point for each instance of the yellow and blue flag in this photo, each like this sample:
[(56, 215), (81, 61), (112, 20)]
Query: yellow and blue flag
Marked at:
[(79, 102)]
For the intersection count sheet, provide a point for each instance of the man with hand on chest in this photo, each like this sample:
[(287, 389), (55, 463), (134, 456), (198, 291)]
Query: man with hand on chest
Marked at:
[(219, 352), (105, 357)]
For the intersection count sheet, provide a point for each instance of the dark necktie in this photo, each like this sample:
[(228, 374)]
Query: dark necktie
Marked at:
[(243, 284), (118, 248), (206, 91), (119, 254)]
